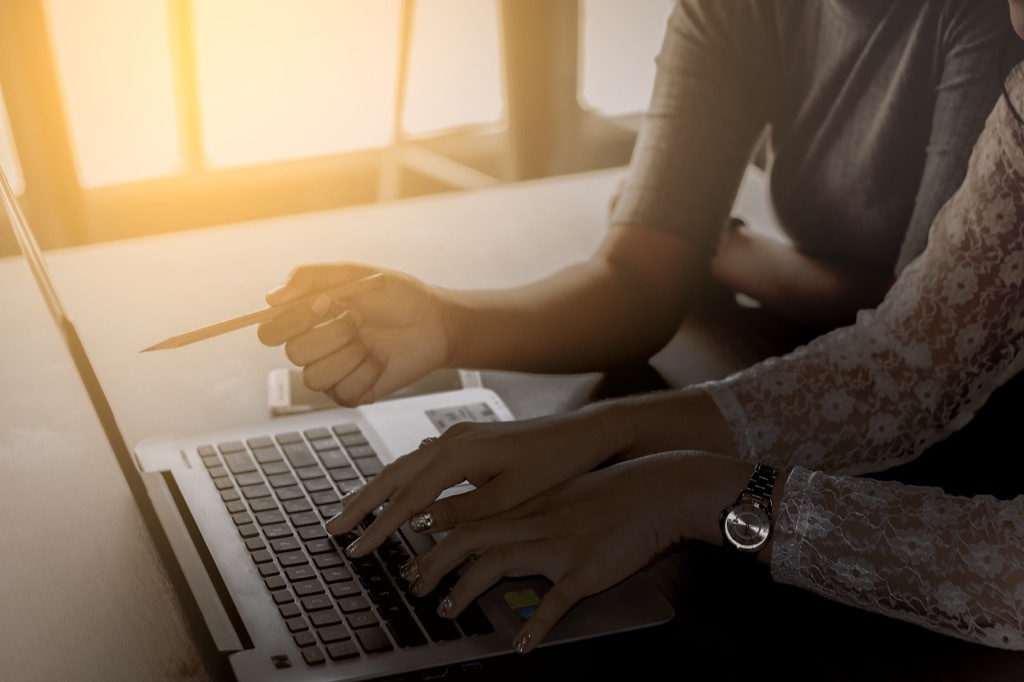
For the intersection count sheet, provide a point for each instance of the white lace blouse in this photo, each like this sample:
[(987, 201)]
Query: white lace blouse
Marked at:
[(876, 394)]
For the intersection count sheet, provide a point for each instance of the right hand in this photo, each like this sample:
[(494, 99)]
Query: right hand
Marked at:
[(367, 346), (507, 462)]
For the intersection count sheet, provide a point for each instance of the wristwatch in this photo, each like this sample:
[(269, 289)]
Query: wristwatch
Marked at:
[(747, 523)]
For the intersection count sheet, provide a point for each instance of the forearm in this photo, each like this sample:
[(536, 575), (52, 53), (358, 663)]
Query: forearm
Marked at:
[(620, 306), (810, 291)]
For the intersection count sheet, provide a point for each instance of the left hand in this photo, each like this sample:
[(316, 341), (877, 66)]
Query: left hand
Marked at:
[(585, 535)]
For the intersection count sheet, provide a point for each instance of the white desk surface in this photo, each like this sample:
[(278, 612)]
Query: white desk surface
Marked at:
[(83, 592)]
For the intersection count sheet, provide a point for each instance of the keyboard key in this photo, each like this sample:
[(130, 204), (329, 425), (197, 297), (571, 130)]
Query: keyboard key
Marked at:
[(374, 640), (231, 446), (289, 559), (333, 458), (282, 596), (345, 429), (269, 518), (362, 619), (300, 573), (303, 639), (317, 602), (353, 604), (262, 556), (312, 655), (308, 587), (361, 452), (369, 466), (263, 504), (343, 473), (289, 544), (241, 518), (289, 493), (328, 560), (260, 442), (251, 478), (342, 650), (297, 624), (281, 480), (254, 543), (473, 621), (295, 506), (405, 631), (278, 466), (312, 532), (239, 462), (325, 497), (275, 583), (299, 454), (281, 530), (352, 439), (345, 590), (252, 492), (317, 433), (268, 569), (322, 444), (336, 574), (217, 471), (334, 633), (321, 619), (306, 473), (306, 518), (315, 485), (248, 531), (290, 610), (320, 546), (267, 455)]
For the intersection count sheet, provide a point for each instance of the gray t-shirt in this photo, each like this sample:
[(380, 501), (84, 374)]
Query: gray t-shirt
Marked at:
[(873, 107)]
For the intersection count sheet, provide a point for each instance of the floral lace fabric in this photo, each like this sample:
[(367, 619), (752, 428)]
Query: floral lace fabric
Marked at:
[(876, 394)]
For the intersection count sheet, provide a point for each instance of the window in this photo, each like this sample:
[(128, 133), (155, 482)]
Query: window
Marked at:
[(227, 110)]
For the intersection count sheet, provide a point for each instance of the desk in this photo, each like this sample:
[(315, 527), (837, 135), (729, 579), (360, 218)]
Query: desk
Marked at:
[(83, 591)]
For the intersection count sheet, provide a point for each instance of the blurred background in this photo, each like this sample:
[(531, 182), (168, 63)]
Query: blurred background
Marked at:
[(123, 118)]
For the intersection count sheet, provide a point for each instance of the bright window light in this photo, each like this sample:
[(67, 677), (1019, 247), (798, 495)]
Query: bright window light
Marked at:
[(619, 40), (114, 66), (454, 83), (281, 80), (8, 154)]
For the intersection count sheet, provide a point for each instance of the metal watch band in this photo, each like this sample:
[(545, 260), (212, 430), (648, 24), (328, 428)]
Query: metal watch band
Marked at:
[(760, 485)]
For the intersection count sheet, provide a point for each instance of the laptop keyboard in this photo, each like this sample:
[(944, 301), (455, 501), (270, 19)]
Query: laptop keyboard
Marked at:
[(279, 491)]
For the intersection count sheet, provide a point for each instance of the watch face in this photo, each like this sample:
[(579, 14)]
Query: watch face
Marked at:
[(747, 526)]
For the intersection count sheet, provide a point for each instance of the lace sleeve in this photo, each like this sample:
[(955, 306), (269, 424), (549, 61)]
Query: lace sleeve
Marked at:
[(951, 564), (878, 393)]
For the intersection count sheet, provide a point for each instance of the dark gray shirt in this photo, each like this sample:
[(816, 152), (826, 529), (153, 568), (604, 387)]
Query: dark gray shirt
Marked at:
[(872, 108)]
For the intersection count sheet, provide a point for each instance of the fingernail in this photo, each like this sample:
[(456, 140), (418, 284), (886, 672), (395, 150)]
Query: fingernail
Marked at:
[(522, 644), (329, 525), (320, 304), (446, 606), (417, 586), (410, 571), (422, 522), (354, 547)]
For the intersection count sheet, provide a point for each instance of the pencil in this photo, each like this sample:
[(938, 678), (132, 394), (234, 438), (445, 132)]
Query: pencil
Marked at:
[(344, 291)]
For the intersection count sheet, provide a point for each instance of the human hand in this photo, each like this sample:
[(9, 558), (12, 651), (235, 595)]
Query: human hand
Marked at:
[(508, 462), (366, 346), (584, 535)]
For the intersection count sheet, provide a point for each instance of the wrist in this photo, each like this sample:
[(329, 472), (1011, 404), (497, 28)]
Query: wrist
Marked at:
[(685, 419)]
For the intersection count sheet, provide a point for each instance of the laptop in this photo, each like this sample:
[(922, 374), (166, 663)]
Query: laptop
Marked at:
[(237, 516)]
